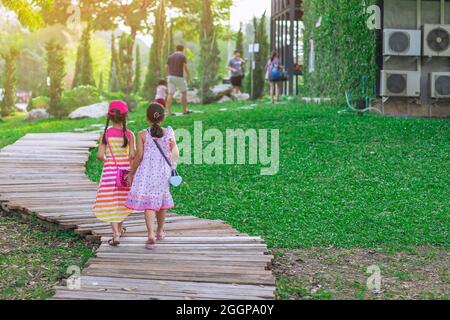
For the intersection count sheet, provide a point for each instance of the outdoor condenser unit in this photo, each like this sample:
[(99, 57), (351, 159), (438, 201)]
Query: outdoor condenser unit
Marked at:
[(440, 84), (436, 40), (400, 83), (402, 42)]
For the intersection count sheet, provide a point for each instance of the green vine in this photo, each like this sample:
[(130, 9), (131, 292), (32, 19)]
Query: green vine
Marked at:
[(344, 48)]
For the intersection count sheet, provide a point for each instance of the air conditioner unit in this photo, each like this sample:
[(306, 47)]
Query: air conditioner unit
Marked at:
[(402, 42), (436, 40), (440, 84), (400, 83)]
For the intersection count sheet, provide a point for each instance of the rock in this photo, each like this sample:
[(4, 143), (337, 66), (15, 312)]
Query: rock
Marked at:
[(21, 107), (37, 114), (97, 110), (224, 99), (241, 96), (222, 90), (192, 97)]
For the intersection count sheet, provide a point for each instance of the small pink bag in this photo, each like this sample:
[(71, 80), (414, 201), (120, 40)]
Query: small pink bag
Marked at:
[(121, 175)]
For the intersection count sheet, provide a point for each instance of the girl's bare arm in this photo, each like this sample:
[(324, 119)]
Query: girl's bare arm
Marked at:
[(101, 150), (139, 154), (132, 147)]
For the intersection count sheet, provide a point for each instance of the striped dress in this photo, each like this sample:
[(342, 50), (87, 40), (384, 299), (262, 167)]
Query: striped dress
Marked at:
[(110, 201)]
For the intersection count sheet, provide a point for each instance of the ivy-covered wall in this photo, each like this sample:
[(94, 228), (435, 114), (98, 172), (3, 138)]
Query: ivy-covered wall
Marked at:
[(344, 48)]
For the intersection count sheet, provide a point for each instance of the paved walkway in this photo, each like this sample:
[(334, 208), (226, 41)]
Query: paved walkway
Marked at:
[(44, 174)]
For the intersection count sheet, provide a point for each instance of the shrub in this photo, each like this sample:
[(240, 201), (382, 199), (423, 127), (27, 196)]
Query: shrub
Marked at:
[(38, 103), (80, 96), (131, 100)]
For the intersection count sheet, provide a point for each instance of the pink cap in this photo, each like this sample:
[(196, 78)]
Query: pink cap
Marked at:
[(118, 105)]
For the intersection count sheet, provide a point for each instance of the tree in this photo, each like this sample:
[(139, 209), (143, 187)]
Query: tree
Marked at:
[(126, 63), (209, 53), (155, 70), (56, 73), (114, 85), (240, 40), (84, 72), (137, 71), (258, 74), (101, 86), (169, 45), (9, 81)]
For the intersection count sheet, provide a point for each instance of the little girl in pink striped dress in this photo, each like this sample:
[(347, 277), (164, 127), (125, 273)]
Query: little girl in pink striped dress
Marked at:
[(116, 150), (150, 173)]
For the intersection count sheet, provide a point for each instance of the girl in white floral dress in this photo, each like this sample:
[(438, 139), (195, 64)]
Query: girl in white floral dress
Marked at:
[(150, 173)]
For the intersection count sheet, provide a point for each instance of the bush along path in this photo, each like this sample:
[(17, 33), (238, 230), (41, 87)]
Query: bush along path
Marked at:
[(44, 174)]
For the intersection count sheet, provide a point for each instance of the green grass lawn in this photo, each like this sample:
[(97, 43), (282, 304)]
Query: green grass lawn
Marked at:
[(345, 181)]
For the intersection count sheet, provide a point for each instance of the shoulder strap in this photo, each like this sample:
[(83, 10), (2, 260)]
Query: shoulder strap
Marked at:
[(111, 151), (161, 151)]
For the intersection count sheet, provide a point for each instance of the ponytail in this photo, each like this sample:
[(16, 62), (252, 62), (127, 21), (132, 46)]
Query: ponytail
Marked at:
[(104, 132), (156, 131), (125, 138)]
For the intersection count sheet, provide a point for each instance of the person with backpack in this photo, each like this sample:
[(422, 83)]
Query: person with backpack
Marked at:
[(276, 76)]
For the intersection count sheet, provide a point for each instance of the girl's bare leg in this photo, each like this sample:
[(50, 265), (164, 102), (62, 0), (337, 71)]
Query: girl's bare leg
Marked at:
[(161, 217), (149, 221), (116, 230), (280, 90), (272, 91)]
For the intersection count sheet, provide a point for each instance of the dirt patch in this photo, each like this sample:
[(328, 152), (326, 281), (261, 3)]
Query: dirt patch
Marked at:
[(422, 273)]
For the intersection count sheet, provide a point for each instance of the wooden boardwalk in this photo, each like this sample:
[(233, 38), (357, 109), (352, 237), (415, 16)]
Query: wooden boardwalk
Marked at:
[(44, 174)]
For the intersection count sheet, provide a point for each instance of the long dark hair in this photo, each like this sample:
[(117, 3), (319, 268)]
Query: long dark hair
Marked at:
[(273, 55), (156, 115), (117, 118)]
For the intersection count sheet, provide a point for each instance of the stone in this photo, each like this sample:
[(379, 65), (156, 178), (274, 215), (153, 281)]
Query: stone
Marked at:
[(222, 90), (97, 110), (21, 107), (224, 99), (241, 96), (37, 114), (192, 97)]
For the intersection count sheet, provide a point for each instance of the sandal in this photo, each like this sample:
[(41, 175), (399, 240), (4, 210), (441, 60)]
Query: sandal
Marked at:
[(124, 230), (161, 236), (150, 244), (113, 243)]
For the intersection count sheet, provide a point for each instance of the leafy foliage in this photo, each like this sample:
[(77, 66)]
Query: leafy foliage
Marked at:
[(114, 85), (137, 71), (258, 74), (84, 73), (56, 73), (343, 45), (209, 53), (29, 12), (154, 70), (9, 81), (125, 56), (38, 103), (79, 97)]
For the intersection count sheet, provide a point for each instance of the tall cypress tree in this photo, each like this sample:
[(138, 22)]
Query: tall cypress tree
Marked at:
[(9, 81), (84, 72), (169, 46), (126, 63), (260, 58), (240, 40), (137, 71), (114, 85), (154, 69), (56, 72), (209, 53)]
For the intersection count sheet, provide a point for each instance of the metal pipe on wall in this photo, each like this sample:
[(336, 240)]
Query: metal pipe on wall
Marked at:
[(442, 11)]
